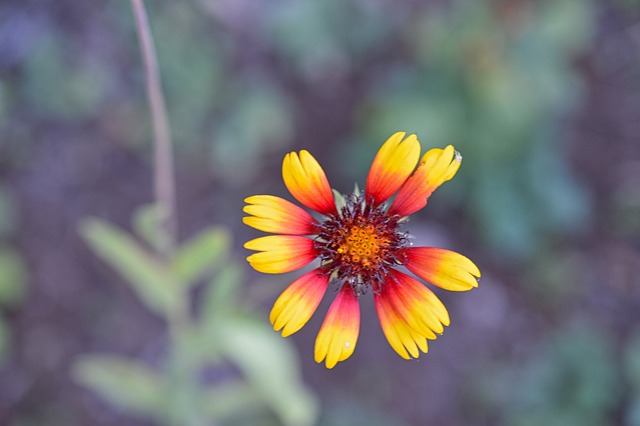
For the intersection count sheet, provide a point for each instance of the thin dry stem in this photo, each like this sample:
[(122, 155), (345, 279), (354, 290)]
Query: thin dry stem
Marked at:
[(164, 177)]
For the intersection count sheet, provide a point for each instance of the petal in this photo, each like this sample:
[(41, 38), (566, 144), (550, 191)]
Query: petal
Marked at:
[(414, 310), (444, 268), (298, 302), (418, 301), (279, 253), (338, 335), (405, 340), (394, 163), (436, 167), (306, 181), (423, 321), (277, 215)]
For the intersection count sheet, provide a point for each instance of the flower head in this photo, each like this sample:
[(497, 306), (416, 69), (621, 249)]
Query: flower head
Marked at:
[(360, 242)]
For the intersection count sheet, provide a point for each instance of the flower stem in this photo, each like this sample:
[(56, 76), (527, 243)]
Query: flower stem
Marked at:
[(182, 368), (164, 177)]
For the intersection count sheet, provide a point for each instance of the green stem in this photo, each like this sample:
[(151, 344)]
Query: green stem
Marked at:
[(182, 369)]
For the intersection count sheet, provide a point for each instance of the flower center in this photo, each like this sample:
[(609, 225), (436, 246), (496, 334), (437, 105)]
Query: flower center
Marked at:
[(360, 243)]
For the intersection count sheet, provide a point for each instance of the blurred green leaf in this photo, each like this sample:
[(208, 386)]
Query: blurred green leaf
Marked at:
[(269, 364), (222, 294), (331, 36), (628, 6), (227, 400), (124, 383), (81, 81), (632, 362), (434, 119), (258, 120), (13, 277), (193, 65), (208, 249), (567, 25), (152, 282), (147, 222), (7, 212), (5, 340), (573, 382)]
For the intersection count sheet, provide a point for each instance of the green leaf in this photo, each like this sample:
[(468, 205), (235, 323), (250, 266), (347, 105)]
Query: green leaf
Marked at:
[(147, 222), (230, 399), (632, 362), (7, 209), (201, 254), (13, 277), (126, 384), (270, 365), (257, 121), (5, 340), (147, 276), (221, 295), (53, 59)]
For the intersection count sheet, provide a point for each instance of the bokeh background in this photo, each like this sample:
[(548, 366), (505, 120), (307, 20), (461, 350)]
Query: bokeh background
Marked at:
[(542, 98)]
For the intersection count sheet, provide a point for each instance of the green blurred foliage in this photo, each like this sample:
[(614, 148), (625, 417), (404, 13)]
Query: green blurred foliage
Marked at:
[(631, 369), (8, 214), (194, 70), (274, 374), (14, 273), (59, 83), (240, 118), (624, 214), (222, 335), (258, 120), (128, 384), (498, 79), (555, 278), (204, 252), (148, 276), (573, 379), (330, 36), (632, 362), (5, 340), (495, 88), (13, 278)]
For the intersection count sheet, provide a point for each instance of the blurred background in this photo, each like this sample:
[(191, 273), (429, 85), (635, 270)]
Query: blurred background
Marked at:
[(542, 98)]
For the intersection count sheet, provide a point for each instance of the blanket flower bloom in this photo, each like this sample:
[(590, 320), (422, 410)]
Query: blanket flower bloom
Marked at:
[(359, 243)]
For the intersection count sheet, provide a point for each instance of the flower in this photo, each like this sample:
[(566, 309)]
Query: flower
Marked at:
[(359, 242)]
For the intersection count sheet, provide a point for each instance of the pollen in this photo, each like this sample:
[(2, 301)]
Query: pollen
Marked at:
[(361, 244)]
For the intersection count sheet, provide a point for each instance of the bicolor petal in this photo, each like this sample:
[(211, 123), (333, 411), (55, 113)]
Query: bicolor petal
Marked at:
[(274, 214), (338, 335), (280, 253), (306, 181), (298, 302), (444, 268), (416, 304), (393, 164), (436, 167), (405, 340)]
